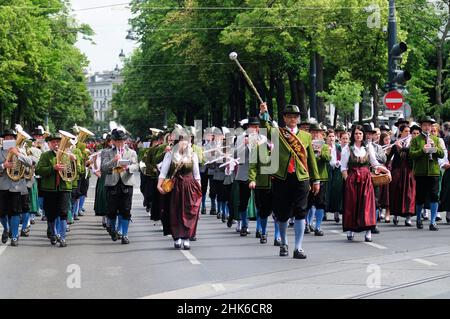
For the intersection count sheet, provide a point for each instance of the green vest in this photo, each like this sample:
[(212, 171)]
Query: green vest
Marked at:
[(44, 168), (322, 162), (285, 155), (422, 166), (255, 173)]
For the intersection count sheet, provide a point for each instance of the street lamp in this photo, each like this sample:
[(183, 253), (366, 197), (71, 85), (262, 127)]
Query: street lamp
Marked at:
[(130, 35), (121, 55)]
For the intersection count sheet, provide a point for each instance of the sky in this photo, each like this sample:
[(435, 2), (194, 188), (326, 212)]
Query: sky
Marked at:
[(110, 26)]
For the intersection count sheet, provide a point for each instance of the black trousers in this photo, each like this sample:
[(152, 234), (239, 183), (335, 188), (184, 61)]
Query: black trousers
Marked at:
[(119, 199), (427, 187), (10, 203), (320, 200), (204, 182), (56, 204), (263, 202), (244, 195), (146, 189), (290, 198), (212, 187)]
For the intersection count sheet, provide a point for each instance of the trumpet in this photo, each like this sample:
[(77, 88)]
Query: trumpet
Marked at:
[(432, 148)]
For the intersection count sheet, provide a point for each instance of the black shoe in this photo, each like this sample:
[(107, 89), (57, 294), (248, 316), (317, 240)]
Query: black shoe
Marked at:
[(318, 232), (24, 233), (243, 231), (203, 211), (193, 238), (324, 219), (62, 243), (448, 220), (229, 223), (76, 218), (395, 220), (44, 219), (438, 219), (10, 235), (258, 234), (368, 239), (311, 228), (299, 254), (119, 236), (375, 230), (350, 237), (263, 239), (219, 215), (408, 224), (147, 209), (53, 240), (32, 222), (291, 225), (213, 211), (104, 225), (419, 224), (70, 222), (177, 244), (425, 217), (125, 240), (336, 218), (224, 218), (14, 242), (4, 237), (113, 235), (284, 250), (307, 231), (49, 234), (277, 242), (433, 227)]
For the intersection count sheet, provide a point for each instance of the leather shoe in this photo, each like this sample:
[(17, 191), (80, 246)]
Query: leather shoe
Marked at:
[(277, 242), (125, 240), (193, 238), (368, 239), (350, 237), (53, 240), (448, 220), (395, 220), (14, 242), (258, 234), (213, 211), (203, 211), (284, 250), (177, 244), (243, 231), (76, 218), (62, 243), (318, 232), (375, 230), (291, 225), (438, 218), (113, 235), (299, 254), (408, 223), (219, 215), (336, 217), (419, 224), (32, 222), (433, 227), (24, 233), (229, 223), (224, 218), (4, 237), (263, 239), (307, 231)]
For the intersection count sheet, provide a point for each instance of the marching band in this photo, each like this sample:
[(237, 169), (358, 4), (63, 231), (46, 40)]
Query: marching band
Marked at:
[(349, 173)]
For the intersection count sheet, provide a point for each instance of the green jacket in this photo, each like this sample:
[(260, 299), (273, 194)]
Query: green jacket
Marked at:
[(422, 166), (263, 181), (44, 168), (81, 169), (285, 156), (199, 151), (154, 156), (322, 162)]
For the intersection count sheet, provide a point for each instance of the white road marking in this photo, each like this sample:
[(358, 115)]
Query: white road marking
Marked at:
[(218, 287), (190, 257), (424, 262), (339, 233), (2, 249), (375, 245)]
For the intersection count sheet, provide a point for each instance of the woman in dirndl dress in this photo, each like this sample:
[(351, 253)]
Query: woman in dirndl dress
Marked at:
[(186, 196), (100, 201), (403, 182), (359, 198)]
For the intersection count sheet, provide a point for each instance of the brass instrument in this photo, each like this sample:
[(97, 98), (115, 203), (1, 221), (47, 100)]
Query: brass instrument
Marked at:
[(69, 174), (18, 170), (83, 134), (29, 171)]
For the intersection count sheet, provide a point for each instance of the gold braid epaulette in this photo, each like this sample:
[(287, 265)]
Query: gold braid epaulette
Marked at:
[(296, 146)]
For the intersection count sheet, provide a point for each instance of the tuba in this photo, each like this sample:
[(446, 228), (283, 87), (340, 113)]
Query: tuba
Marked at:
[(69, 174), (83, 133), (18, 170)]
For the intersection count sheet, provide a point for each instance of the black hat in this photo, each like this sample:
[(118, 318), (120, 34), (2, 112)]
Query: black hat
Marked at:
[(368, 128), (118, 135), (316, 127), (415, 127), (38, 131), (384, 127), (53, 136), (9, 132), (305, 122), (426, 119), (253, 121), (291, 109), (340, 128), (401, 121)]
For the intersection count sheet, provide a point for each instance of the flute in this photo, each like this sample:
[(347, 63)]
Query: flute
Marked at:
[(384, 147)]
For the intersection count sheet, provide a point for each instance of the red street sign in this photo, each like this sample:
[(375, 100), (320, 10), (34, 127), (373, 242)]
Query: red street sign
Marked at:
[(393, 100)]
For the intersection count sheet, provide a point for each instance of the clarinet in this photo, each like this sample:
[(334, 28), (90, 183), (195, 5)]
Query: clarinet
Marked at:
[(429, 141)]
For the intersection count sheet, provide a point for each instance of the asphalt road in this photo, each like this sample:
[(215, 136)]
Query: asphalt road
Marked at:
[(400, 263)]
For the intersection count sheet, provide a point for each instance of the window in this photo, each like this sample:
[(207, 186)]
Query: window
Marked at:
[(96, 92)]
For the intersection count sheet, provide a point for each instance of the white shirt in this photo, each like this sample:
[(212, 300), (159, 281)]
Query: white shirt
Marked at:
[(360, 152), (334, 162), (168, 160), (444, 160)]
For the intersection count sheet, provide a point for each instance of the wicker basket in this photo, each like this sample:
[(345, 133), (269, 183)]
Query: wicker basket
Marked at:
[(381, 179)]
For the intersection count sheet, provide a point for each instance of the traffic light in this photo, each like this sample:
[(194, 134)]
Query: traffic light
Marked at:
[(397, 76)]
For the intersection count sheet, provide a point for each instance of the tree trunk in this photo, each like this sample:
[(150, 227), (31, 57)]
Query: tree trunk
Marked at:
[(301, 89), (439, 67), (360, 106), (335, 118), (241, 98), (320, 100), (271, 93), (293, 87), (374, 93), (281, 98)]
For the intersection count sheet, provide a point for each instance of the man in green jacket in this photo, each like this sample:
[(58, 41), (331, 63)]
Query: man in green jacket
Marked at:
[(319, 201), (297, 166), (424, 151), (56, 191)]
